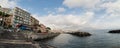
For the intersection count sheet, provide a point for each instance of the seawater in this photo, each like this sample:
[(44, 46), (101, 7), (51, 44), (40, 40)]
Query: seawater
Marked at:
[(99, 39)]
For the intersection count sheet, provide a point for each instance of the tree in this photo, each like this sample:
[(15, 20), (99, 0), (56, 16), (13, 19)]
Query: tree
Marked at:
[(3, 14), (9, 26), (48, 29), (0, 13), (6, 15), (39, 31)]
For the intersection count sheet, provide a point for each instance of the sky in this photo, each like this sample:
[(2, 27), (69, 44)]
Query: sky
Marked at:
[(71, 14)]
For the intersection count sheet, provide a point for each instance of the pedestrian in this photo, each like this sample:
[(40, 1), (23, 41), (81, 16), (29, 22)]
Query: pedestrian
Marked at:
[(9, 30), (17, 27)]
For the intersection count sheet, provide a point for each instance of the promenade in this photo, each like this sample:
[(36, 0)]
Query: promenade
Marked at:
[(17, 44), (22, 39)]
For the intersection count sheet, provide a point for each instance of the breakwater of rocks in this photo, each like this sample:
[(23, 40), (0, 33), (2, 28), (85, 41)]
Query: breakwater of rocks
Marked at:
[(81, 34), (114, 31)]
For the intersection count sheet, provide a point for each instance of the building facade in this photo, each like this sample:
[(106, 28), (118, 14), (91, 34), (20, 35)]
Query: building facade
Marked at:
[(20, 16), (7, 20), (33, 21), (17, 16), (42, 28)]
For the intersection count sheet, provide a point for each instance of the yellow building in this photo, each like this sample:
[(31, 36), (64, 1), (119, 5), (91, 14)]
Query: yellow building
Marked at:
[(42, 28), (34, 24), (33, 21), (39, 28)]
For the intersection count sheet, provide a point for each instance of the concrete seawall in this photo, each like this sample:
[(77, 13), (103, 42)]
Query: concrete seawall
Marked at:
[(41, 36), (34, 36), (23, 39), (5, 43)]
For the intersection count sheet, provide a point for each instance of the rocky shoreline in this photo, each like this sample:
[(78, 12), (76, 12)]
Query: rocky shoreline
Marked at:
[(81, 34)]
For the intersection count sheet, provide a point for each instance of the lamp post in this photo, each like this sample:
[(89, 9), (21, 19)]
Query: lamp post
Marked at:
[(0, 15), (3, 18)]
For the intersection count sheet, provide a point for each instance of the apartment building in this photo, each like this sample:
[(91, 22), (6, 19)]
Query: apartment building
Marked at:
[(20, 16), (17, 16)]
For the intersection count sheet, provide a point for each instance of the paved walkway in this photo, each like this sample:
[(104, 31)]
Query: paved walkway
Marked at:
[(14, 41), (5, 43)]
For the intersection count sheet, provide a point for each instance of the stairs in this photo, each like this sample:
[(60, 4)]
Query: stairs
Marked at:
[(12, 35)]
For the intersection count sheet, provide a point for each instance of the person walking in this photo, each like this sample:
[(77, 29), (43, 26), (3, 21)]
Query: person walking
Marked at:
[(17, 27)]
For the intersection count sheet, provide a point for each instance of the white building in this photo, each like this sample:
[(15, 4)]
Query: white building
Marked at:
[(20, 16)]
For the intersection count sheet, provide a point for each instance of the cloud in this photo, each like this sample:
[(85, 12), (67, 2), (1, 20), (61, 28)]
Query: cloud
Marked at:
[(8, 3), (81, 3), (112, 8), (12, 4), (66, 22), (111, 18), (60, 9), (88, 19)]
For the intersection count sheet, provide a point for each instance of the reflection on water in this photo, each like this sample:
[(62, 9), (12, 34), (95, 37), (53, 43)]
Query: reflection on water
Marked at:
[(97, 40), (62, 39)]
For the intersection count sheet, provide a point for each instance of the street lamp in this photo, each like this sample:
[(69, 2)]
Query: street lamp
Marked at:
[(1, 16), (2, 19)]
